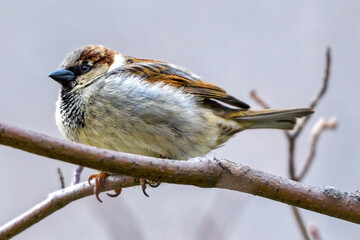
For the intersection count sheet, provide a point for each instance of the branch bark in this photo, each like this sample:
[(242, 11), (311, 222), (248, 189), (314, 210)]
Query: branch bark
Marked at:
[(200, 172), (56, 201)]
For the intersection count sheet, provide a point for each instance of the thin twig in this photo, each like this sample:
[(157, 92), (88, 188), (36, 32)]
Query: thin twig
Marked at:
[(291, 157), (292, 136), (257, 98), (56, 201), (61, 177), (291, 164), (77, 173), (300, 222), (318, 128), (317, 97)]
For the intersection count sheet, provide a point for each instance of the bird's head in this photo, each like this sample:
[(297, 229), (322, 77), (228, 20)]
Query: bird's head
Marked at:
[(86, 64)]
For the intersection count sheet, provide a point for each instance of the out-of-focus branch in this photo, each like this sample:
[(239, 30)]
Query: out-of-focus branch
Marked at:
[(56, 201), (292, 136), (61, 178), (300, 222), (77, 173), (317, 97), (318, 128), (201, 172), (291, 166), (258, 99), (314, 231)]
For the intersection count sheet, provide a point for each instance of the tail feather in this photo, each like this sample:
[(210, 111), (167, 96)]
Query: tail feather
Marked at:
[(284, 119)]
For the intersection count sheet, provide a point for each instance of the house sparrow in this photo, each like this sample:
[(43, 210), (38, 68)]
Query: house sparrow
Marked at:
[(153, 108)]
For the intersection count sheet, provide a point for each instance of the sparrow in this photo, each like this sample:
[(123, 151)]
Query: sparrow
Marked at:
[(148, 107)]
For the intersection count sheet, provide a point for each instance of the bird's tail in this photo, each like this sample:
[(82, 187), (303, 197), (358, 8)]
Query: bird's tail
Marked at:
[(284, 119)]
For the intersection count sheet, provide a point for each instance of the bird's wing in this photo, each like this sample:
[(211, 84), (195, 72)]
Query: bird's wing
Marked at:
[(155, 71)]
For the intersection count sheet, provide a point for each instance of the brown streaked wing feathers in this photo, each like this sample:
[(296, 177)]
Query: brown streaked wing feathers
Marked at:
[(154, 71)]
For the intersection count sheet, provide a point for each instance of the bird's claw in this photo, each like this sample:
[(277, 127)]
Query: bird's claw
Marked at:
[(117, 193), (99, 183), (100, 179), (152, 184), (143, 186)]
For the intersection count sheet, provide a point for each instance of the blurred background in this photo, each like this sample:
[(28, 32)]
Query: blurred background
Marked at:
[(275, 47)]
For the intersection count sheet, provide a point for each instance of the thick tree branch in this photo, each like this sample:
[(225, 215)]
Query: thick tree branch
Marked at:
[(201, 172)]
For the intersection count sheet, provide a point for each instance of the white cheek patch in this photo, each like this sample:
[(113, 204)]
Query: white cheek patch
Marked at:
[(119, 60)]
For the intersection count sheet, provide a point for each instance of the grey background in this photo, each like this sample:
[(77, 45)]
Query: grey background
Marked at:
[(276, 47)]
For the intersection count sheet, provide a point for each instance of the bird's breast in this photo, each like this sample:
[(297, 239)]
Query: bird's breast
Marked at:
[(129, 115)]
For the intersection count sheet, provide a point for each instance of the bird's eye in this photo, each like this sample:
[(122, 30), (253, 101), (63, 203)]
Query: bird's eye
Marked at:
[(84, 68)]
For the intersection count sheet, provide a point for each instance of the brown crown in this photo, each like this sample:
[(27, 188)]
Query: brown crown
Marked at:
[(98, 54)]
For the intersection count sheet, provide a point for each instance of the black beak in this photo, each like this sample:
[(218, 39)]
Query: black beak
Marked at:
[(63, 76)]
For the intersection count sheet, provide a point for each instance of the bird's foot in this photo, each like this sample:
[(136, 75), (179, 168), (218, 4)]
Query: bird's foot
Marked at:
[(99, 183), (117, 193), (152, 184)]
